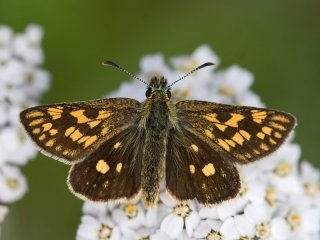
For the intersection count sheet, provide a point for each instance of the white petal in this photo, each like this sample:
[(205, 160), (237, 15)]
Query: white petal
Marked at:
[(202, 230), (172, 225), (151, 219), (214, 224), (94, 208), (191, 222), (13, 184), (243, 226), (34, 33), (309, 173), (88, 229), (311, 220), (123, 220), (204, 53), (152, 63), (255, 213), (227, 209), (159, 235), (209, 212), (115, 234), (228, 229), (5, 35), (183, 236), (167, 200), (279, 229)]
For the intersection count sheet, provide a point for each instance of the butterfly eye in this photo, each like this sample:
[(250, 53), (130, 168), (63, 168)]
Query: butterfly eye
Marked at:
[(148, 92), (169, 94)]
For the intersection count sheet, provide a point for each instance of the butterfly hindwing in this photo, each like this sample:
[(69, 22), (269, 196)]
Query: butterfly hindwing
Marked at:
[(113, 171), (71, 131), (244, 133), (195, 170)]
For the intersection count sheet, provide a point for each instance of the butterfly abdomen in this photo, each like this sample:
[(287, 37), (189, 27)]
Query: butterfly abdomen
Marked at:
[(154, 152)]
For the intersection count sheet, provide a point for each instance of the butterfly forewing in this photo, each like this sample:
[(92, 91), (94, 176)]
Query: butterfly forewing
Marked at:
[(195, 171), (243, 133), (71, 131), (113, 171)]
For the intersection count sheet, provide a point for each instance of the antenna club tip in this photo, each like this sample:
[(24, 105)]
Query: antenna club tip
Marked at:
[(108, 63), (209, 64)]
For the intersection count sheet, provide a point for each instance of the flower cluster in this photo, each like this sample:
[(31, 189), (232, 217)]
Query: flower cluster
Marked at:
[(22, 83), (279, 199)]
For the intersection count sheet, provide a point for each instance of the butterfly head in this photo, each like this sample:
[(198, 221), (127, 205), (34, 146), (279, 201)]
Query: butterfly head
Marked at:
[(158, 87)]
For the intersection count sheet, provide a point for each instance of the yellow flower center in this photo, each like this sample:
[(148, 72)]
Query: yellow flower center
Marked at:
[(311, 189), (131, 210), (271, 196), (244, 238), (178, 95), (214, 235), (263, 230), (12, 183), (244, 188), (182, 210), (283, 169), (227, 91), (105, 232), (294, 218), (189, 65)]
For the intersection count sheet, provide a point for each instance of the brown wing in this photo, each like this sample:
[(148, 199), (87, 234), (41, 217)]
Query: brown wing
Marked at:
[(194, 170), (113, 171), (71, 131), (245, 134)]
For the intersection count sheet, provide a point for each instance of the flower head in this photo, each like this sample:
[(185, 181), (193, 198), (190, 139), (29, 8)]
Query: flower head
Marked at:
[(278, 200), (22, 82)]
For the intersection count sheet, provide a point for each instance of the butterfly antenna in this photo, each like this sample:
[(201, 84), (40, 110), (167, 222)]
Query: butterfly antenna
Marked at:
[(196, 69), (112, 64)]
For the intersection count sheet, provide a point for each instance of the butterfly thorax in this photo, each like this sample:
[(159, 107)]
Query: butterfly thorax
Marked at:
[(156, 117)]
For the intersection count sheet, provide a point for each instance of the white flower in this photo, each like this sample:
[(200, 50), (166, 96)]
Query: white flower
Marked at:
[(255, 222), (13, 184), (26, 46), (252, 191), (278, 201), (94, 209), (183, 215), (310, 178), (193, 86), (153, 65), (133, 89), (159, 235), (231, 83), (208, 229), (22, 82), (302, 218), (6, 35), (249, 99), (129, 216), (201, 55), (93, 229), (36, 82), (13, 139)]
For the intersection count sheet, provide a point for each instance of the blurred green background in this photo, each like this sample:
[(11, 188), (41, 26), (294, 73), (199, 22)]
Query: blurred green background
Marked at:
[(277, 40)]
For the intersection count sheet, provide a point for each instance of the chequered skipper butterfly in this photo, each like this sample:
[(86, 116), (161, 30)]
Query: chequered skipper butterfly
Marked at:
[(119, 148)]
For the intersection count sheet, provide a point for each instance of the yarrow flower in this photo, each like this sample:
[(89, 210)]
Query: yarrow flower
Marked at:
[(279, 199), (22, 83)]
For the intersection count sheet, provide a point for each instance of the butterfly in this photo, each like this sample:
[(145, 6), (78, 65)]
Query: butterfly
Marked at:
[(119, 149)]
